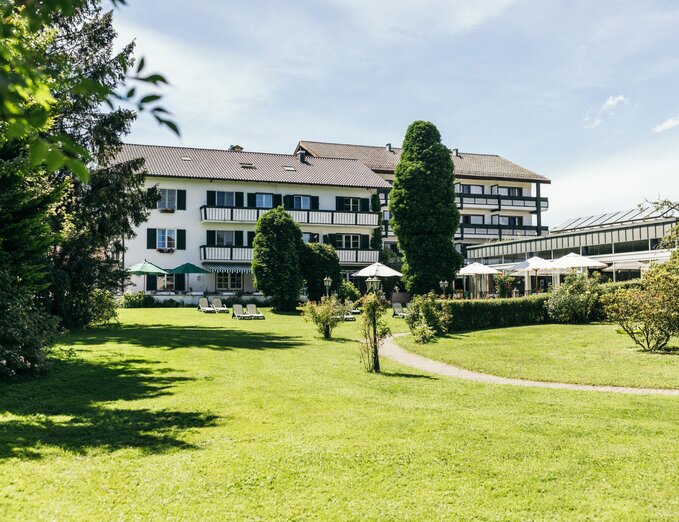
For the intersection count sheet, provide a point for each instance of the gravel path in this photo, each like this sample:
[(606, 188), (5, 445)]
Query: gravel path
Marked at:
[(393, 351)]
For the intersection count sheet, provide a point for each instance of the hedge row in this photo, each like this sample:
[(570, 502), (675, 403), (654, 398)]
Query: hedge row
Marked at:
[(497, 313)]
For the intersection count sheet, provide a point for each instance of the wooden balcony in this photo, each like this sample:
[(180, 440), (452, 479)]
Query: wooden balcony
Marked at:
[(210, 214), (244, 254)]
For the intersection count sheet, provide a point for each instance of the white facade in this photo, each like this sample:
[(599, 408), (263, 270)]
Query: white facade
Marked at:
[(219, 237)]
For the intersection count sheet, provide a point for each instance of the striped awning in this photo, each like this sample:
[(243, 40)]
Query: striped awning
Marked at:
[(228, 267)]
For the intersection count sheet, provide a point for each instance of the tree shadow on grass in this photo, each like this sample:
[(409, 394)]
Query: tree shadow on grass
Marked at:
[(408, 375), (174, 336), (67, 410)]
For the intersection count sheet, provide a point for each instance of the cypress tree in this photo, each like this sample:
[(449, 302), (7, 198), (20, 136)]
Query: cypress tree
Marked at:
[(424, 214)]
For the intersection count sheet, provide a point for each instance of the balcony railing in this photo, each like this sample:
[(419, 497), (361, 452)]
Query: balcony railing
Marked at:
[(311, 217), (498, 202), (232, 253), (498, 231)]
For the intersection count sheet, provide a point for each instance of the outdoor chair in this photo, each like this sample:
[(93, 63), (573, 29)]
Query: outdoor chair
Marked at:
[(218, 306), (398, 310), (253, 312), (238, 313), (204, 306), (350, 306)]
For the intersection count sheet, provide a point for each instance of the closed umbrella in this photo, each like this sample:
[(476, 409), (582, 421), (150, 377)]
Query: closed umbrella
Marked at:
[(188, 268), (146, 268)]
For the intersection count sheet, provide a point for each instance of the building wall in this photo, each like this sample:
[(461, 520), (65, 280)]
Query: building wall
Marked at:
[(192, 221)]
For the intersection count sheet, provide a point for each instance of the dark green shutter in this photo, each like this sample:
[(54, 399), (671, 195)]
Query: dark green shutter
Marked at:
[(339, 203), (289, 202), (239, 199), (151, 238), (365, 242), (181, 239), (151, 283), (332, 239), (180, 282), (277, 200), (314, 202), (252, 200), (251, 238), (326, 239), (211, 198), (211, 239), (181, 200), (364, 205), (238, 238)]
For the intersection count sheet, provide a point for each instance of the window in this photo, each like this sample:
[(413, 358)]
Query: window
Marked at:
[(289, 168), (264, 200), (168, 198), (229, 281), (166, 238), (351, 204), (168, 283), (224, 237), (509, 221), (471, 189), (348, 241), (510, 191), (473, 219), (302, 202), (247, 166), (309, 237), (224, 199)]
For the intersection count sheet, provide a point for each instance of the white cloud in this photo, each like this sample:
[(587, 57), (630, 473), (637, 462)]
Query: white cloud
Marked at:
[(669, 123), (607, 109)]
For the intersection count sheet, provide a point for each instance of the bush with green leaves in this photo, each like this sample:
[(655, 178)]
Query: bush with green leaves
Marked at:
[(27, 331), (104, 307), (138, 300), (479, 314), (649, 314), (319, 261), (427, 310), (348, 291), (423, 333), (326, 315), (576, 300), (374, 329), (504, 283)]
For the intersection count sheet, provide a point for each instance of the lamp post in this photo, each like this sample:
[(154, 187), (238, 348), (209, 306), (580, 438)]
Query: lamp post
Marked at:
[(373, 283), (443, 285), (327, 281)]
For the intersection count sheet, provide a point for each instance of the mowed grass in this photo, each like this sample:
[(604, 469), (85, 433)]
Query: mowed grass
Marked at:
[(582, 354), (186, 416)]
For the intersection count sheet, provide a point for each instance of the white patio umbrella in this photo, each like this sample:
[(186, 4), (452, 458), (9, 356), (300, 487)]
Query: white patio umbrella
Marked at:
[(574, 260), (533, 264), (477, 269), (377, 270), (626, 266)]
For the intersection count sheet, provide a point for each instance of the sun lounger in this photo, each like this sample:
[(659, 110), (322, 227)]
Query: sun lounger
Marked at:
[(398, 310), (218, 306), (238, 313), (350, 306), (204, 306), (253, 312)]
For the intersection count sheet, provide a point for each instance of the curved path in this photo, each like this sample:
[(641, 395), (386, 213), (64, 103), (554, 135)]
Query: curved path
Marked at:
[(393, 351)]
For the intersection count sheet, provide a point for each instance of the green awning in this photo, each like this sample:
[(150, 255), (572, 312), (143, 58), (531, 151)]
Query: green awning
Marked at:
[(228, 267)]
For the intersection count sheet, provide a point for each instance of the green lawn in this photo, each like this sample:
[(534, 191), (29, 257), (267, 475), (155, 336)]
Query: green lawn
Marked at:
[(582, 354), (182, 415)]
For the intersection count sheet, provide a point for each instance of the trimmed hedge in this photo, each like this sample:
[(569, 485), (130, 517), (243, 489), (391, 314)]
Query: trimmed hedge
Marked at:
[(497, 313)]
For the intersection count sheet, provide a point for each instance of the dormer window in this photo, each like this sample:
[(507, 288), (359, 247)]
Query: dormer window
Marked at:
[(185, 158), (289, 168), (247, 166)]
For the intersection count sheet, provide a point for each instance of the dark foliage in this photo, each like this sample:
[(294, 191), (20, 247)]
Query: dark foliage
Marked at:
[(319, 260)]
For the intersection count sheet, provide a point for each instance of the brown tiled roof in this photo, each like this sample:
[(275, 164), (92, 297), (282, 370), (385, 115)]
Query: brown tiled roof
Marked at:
[(467, 165), (261, 167)]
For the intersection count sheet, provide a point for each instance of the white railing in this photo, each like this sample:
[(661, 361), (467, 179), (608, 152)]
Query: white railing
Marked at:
[(311, 217), (215, 253), (358, 256)]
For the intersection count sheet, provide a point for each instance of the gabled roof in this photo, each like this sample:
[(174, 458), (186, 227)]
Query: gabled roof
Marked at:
[(186, 162), (467, 165)]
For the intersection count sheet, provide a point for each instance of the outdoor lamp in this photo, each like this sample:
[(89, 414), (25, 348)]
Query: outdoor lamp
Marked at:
[(374, 284), (327, 281), (443, 285)]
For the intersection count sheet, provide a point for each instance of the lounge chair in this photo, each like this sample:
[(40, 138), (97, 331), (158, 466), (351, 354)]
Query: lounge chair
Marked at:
[(238, 313), (218, 306), (349, 317), (398, 310), (204, 306), (350, 306), (253, 312)]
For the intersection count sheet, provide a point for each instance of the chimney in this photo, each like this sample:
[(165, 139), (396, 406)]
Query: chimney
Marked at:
[(388, 147), (456, 153), (302, 155), (235, 148)]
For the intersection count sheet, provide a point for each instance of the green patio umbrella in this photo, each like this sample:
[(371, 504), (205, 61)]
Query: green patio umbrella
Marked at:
[(146, 268), (188, 268)]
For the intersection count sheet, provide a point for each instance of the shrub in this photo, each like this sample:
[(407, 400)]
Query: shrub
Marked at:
[(504, 284), (374, 329), (326, 315), (471, 314), (423, 333), (576, 300), (27, 332), (347, 290), (649, 314), (104, 308), (138, 300), (428, 310)]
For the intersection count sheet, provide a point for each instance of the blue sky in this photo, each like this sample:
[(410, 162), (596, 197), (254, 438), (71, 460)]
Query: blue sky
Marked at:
[(585, 93)]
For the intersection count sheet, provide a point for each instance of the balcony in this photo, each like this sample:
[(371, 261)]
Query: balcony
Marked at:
[(244, 254), (309, 217), (489, 231), (496, 202)]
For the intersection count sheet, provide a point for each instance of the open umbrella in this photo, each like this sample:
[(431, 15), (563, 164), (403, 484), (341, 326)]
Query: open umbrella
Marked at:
[(476, 269), (188, 268), (574, 260), (146, 268), (377, 270), (626, 266), (534, 264)]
